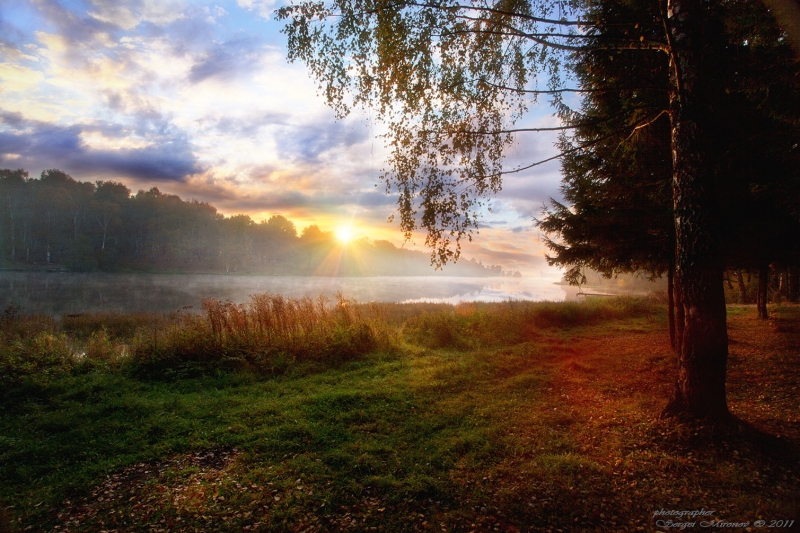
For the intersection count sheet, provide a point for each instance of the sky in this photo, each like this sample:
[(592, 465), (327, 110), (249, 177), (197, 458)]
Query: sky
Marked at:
[(197, 98)]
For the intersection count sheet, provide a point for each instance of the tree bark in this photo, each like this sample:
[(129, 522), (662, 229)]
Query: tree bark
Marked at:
[(702, 359), (671, 300), (13, 232), (680, 314), (742, 287), (794, 284), (783, 284), (763, 287)]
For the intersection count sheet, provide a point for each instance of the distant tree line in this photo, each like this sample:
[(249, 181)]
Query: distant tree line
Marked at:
[(56, 221)]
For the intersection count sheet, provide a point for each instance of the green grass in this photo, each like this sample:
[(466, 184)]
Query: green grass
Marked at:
[(516, 414)]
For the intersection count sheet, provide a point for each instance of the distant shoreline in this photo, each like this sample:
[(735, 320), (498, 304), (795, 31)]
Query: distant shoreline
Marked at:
[(52, 269)]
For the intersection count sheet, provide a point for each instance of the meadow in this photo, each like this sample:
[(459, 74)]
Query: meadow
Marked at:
[(314, 415)]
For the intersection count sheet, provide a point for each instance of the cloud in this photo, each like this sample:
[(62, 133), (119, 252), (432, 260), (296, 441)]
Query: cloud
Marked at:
[(376, 198), (116, 14), (129, 14), (226, 61), (198, 100), (137, 109), (75, 34), (14, 120), (34, 144), (306, 143), (264, 8), (18, 78), (525, 194), (214, 13), (250, 126), (11, 38), (507, 255)]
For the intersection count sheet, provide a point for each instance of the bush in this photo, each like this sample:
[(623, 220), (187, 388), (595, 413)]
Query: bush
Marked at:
[(43, 354)]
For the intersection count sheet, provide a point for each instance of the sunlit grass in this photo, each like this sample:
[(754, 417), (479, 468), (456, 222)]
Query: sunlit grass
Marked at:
[(517, 412)]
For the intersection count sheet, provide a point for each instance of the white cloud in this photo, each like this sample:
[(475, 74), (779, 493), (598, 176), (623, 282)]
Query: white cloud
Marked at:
[(264, 8), (16, 78), (214, 13), (130, 16)]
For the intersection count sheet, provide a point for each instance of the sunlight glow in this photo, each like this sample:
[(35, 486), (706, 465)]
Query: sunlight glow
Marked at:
[(345, 234)]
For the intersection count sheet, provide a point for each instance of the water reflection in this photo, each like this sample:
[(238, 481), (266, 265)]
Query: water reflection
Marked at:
[(60, 293)]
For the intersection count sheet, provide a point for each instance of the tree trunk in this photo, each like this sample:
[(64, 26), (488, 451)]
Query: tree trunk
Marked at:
[(680, 314), (75, 225), (742, 287), (671, 300), (783, 284), (794, 284), (763, 287), (13, 233), (702, 360)]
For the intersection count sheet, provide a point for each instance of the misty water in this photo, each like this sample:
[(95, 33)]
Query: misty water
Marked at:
[(71, 293)]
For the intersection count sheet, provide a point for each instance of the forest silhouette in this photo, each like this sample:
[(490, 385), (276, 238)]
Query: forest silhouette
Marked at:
[(58, 222)]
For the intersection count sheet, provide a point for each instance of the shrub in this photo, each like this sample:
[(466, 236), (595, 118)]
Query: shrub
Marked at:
[(43, 354)]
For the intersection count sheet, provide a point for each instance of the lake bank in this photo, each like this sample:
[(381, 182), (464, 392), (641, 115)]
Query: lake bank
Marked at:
[(72, 293)]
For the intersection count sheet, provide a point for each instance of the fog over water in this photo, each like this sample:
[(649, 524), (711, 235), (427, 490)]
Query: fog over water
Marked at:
[(68, 293)]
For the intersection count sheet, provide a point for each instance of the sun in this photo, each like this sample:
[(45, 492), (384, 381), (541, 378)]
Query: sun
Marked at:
[(345, 234)]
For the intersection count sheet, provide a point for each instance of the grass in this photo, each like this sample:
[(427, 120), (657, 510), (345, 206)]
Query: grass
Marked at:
[(484, 417)]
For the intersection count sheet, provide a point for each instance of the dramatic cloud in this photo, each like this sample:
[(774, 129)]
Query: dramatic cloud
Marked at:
[(307, 143), (197, 99), (35, 144), (226, 60)]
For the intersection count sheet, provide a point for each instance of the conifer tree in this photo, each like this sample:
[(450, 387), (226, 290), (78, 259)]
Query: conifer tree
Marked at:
[(452, 81)]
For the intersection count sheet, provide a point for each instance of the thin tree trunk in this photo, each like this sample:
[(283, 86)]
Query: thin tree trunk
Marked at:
[(794, 284), (783, 283), (13, 231), (671, 300), (680, 314), (742, 287), (75, 225), (702, 360), (763, 287)]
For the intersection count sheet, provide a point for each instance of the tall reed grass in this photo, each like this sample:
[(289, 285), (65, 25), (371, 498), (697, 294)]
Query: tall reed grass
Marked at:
[(271, 334), (475, 324), (266, 335), (30, 344)]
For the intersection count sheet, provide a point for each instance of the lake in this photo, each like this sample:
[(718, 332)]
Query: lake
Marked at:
[(67, 293)]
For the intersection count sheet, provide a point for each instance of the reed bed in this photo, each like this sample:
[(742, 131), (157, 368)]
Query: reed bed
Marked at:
[(271, 334), (268, 335), (472, 325)]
